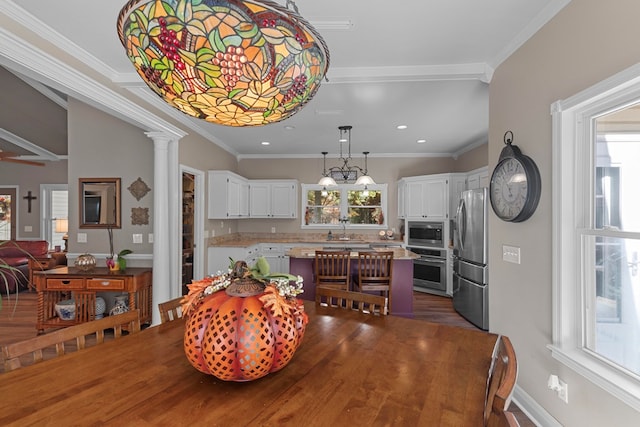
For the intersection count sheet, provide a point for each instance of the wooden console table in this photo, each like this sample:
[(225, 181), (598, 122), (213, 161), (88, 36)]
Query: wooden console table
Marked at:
[(69, 282), (45, 262)]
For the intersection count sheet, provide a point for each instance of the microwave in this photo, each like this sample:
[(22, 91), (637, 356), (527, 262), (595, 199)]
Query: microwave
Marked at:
[(423, 233)]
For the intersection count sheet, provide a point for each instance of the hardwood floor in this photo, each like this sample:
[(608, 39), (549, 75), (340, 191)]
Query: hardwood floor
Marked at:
[(18, 320), (437, 309)]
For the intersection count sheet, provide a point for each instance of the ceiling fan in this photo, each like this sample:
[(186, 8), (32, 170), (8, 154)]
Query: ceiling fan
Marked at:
[(7, 156)]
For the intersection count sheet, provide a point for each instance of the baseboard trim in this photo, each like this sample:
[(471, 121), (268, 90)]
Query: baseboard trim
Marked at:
[(536, 413)]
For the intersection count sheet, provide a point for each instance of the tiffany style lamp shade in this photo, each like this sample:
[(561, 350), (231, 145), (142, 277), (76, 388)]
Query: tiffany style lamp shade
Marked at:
[(230, 62)]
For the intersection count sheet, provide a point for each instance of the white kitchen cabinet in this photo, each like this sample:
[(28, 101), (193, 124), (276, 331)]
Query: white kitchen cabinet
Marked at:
[(228, 195), (457, 184), (478, 178), (273, 198), (427, 197), (218, 258), (402, 188)]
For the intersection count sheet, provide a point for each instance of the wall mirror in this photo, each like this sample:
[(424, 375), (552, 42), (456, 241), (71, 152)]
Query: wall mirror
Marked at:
[(99, 202)]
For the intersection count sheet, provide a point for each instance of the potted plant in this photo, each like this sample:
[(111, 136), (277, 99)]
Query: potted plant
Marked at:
[(116, 262)]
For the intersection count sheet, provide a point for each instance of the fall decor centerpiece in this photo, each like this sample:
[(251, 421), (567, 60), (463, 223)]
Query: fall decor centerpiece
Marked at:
[(244, 324)]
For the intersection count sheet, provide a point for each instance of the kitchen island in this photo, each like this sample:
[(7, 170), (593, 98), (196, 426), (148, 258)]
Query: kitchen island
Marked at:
[(301, 261)]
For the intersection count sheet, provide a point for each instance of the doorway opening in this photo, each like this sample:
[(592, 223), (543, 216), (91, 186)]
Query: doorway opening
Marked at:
[(188, 237)]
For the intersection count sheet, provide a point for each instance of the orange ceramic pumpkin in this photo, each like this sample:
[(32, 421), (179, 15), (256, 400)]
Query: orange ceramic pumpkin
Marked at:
[(243, 332)]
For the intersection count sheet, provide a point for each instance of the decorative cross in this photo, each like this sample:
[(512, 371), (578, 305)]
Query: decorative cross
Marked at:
[(29, 198)]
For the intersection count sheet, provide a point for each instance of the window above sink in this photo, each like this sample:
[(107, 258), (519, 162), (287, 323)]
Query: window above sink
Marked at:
[(344, 206)]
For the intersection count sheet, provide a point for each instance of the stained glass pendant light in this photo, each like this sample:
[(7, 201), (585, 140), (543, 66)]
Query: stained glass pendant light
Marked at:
[(230, 62)]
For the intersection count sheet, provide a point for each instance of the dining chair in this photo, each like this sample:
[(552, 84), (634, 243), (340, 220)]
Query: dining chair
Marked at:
[(503, 374), (332, 269), (170, 310), (78, 333), (375, 272), (364, 303)]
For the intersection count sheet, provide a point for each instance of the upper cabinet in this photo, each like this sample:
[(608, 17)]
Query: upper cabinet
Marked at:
[(430, 197), (228, 195), (426, 197), (478, 178), (273, 198), (233, 196)]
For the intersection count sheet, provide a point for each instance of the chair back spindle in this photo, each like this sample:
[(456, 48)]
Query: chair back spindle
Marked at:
[(78, 333), (364, 303), (332, 269), (170, 310)]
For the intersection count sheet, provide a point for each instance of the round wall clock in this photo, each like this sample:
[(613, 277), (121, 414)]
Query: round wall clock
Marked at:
[(515, 187)]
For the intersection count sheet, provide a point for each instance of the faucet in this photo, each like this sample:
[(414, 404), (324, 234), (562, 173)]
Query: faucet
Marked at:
[(344, 222)]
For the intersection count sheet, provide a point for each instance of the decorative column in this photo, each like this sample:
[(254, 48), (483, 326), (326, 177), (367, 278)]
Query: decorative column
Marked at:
[(162, 219)]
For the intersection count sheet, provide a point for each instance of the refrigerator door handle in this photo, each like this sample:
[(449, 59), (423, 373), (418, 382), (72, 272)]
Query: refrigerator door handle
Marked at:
[(461, 218)]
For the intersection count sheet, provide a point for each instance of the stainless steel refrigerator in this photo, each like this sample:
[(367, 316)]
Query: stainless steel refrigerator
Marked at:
[(470, 287)]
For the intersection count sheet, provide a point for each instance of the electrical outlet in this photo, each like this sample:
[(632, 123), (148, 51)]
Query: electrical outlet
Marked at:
[(150, 237), (273, 229), (563, 393), (229, 230), (82, 237), (511, 254), (560, 387)]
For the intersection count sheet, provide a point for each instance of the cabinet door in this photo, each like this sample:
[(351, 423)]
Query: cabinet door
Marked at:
[(457, 184), (283, 200), (233, 198), (414, 197), (436, 199), (259, 205), (402, 186)]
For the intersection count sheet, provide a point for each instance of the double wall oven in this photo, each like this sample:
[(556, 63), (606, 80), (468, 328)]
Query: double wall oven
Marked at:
[(426, 239)]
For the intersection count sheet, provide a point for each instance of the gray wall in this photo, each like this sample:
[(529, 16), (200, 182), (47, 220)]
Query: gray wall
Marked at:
[(588, 41), (101, 146)]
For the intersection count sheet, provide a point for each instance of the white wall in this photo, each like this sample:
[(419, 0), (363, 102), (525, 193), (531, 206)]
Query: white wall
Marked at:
[(588, 41)]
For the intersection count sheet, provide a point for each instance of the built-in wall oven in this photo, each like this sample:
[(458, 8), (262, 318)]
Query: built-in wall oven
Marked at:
[(425, 234), (430, 270)]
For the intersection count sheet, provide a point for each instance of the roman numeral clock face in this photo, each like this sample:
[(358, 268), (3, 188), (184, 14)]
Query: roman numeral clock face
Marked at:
[(515, 187), (509, 189)]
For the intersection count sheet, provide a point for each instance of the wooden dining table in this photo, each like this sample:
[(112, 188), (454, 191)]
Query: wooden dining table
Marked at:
[(351, 369)]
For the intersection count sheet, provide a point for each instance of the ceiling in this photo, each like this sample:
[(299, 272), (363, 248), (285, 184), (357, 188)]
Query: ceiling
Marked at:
[(425, 64)]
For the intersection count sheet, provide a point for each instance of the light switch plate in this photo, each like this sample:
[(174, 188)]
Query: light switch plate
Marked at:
[(150, 237), (511, 254), (82, 237), (137, 238), (28, 229)]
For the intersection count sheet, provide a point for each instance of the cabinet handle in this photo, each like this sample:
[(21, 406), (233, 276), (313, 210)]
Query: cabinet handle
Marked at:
[(105, 283), (66, 282)]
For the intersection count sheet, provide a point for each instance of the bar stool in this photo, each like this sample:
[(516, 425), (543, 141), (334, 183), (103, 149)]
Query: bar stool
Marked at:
[(332, 269), (375, 272)]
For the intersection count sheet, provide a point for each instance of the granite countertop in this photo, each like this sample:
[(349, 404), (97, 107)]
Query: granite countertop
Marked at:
[(315, 239), (309, 252)]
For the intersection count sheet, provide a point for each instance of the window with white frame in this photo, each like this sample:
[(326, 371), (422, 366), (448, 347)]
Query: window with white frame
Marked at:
[(596, 229), (351, 206), (56, 204)]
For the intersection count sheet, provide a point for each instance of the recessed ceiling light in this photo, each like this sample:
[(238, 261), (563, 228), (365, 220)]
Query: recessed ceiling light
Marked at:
[(421, 141), (265, 143), (401, 127)]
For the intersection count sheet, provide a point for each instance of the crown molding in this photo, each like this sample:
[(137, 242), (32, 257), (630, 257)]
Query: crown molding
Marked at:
[(18, 55), (528, 31), (143, 92), (411, 73)]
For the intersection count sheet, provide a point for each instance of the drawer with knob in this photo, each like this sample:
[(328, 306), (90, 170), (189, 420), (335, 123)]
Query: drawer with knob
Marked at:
[(65, 284), (105, 284)]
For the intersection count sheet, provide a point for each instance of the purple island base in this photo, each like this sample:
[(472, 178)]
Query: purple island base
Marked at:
[(401, 284)]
